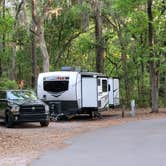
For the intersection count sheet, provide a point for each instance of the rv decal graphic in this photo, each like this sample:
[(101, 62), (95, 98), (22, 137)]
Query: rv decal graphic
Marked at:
[(56, 78)]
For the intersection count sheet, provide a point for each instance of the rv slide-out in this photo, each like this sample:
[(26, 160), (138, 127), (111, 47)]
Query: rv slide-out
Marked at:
[(113, 92)]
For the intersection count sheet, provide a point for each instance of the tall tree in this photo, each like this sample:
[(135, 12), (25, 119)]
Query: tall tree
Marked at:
[(18, 8), (165, 78), (38, 19), (34, 61), (100, 51), (3, 36), (154, 80), (118, 22)]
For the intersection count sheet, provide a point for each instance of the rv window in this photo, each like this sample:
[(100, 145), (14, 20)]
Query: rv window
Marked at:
[(104, 86), (109, 87), (56, 86)]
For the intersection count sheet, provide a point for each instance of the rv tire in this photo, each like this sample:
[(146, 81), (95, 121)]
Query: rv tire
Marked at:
[(92, 114)]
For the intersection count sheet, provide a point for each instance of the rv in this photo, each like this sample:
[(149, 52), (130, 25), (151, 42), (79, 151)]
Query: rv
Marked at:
[(73, 92), (113, 92)]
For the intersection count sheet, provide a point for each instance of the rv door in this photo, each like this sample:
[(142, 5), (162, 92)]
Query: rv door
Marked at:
[(103, 94), (114, 92)]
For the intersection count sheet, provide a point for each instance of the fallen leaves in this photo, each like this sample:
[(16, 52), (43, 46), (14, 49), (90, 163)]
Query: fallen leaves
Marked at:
[(20, 145)]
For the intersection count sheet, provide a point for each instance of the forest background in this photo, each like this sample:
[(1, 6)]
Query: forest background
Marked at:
[(120, 38)]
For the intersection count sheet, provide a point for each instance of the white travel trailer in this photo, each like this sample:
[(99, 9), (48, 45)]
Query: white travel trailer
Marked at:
[(73, 92), (113, 92)]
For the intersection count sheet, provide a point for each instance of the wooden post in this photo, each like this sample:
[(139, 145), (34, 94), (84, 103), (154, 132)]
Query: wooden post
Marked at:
[(123, 110)]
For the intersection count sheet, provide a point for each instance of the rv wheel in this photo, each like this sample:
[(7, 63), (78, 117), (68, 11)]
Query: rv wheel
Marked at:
[(91, 114), (95, 114)]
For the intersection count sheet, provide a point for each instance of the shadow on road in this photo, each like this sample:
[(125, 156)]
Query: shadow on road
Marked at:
[(77, 118), (86, 118)]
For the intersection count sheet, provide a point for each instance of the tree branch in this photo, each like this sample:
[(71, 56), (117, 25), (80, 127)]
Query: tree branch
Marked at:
[(19, 9), (67, 44), (31, 30), (164, 7), (109, 21), (109, 59), (34, 11), (0, 2)]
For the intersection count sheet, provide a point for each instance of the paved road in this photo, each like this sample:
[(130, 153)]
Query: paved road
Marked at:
[(133, 144)]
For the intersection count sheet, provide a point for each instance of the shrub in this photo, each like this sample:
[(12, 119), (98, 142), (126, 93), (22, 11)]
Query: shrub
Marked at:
[(5, 84)]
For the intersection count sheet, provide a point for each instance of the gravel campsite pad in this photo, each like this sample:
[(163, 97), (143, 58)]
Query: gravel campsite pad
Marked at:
[(20, 145)]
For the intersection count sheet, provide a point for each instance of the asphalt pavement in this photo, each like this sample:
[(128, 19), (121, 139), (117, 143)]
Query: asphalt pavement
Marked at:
[(141, 143)]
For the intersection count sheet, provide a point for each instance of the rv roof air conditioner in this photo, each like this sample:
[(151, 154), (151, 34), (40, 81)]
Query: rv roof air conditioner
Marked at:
[(67, 68)]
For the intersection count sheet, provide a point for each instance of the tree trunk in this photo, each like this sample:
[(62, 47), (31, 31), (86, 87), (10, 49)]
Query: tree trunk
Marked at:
[(13, 67), (142, 91), (100, 51), (124, 67), (0, 68), (39, 24), (165, 90), (3, 38), (44, 51), (153, 77), (125, 77), (138, 81), (34, 62)]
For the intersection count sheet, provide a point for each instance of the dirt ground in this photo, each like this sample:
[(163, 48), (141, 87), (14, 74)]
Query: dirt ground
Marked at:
[(20, 145)]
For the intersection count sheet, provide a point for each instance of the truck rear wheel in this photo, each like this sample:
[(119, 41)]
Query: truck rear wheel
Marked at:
[(44, 123)]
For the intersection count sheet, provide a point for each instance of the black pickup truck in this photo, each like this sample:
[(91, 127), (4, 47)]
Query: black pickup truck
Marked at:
[(18, 106)]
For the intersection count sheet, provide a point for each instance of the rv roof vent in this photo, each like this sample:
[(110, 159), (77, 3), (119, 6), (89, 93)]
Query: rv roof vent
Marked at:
[(67, 68)]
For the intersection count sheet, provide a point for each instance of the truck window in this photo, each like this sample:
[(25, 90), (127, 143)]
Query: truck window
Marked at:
[(104, 86), (56, 86)]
